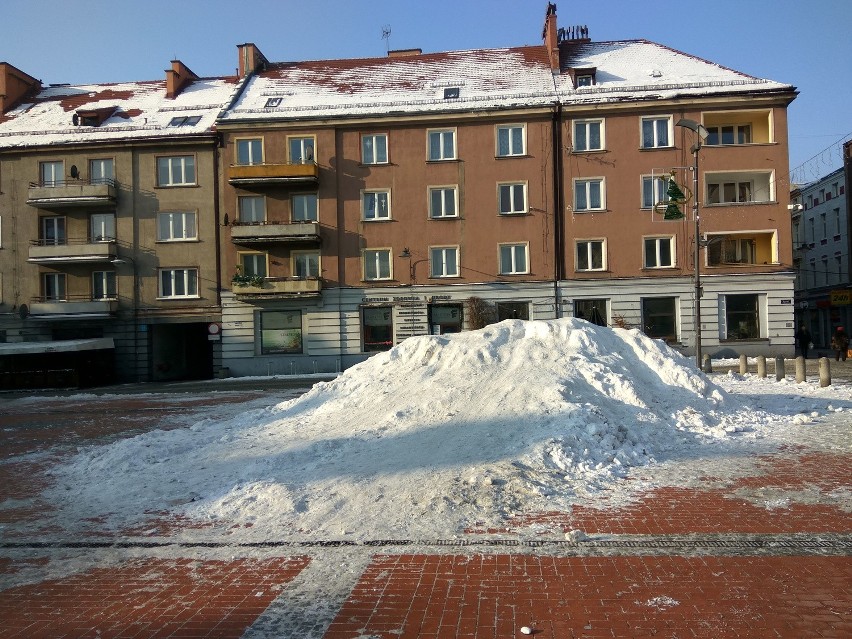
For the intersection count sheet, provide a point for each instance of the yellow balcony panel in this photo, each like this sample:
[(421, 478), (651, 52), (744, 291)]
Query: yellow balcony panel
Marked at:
[(280, 288), (270, 232), (62, 194), (71, 252), (260, 174)]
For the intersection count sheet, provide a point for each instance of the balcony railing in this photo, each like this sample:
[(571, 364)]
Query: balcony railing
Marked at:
[(267, 232), (64, 193), (261, 174), (71, 307), (279, 287), (67, 251)]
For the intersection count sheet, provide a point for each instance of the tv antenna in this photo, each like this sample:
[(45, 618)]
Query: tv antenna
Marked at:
[(386, 31)]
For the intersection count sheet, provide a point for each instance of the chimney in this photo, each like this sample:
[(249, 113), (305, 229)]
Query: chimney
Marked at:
[(177, 78), (14, 85), (251, 59), (404, 53), (549, 35)]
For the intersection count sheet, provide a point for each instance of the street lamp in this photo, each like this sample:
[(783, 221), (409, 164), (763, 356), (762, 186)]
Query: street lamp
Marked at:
[(412, 265), (701, 135)]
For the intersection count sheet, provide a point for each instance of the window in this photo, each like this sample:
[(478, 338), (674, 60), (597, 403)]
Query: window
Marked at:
[(656, 132), (185, 120), (377, 264), (179, 282), (253, 264), (513, 198), (513, 310), (102, 227), (301, 150), (590, 255), (53, 231), (591, 310), (51, 173), (374, 148), (729, 192), (102, 171), (250, 151), (252, 209), (376, 205), (824, 222), (731, 250), (442, 145), (585, 80), (444, 261), (305, 264), (511, 140), (445, 318), (451, 93), (742, 317), (377, 328), (176, 226), (654, 190), (589, 195), (739, 187), (659, 318), (103, 285), (443, 202), (303, 207), (280, 332), (513, 259), (659, 252), (729, 134), (836, 216), (176, 170), (272, 102), (588, 135), (53, 287)]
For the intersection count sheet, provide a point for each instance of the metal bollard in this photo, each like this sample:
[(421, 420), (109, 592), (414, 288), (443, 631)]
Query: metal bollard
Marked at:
[(801, 375), (780, 369), (707, 364), (824, 372), (743, 364), (761, 365)]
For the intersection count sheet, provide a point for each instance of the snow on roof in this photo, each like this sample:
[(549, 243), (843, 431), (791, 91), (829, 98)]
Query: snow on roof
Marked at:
[(639, 69), (138, 110), (486, 79)]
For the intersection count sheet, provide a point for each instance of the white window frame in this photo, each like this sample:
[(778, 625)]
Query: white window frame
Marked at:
[(182, 226), (59, 286), (187, 277), (378, 258), (47, 173), (511, 266), (586, 124), (659, 241), (582, 192), (443, 191), (441, 134), (305, 257), (258, 261), (252, 151), (376, 194), (658, 121), (737, 131), (107, 280), (307, 149), (242, 200), (444, 261), (588, 245), (57, 224), (184, 163), (297, 211), (104, 173), (375, 150), (659, 189), (510, 188), (511, 132), (102, 227)]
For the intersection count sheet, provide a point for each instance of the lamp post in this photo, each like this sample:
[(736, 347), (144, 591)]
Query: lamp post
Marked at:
[(701, 135), (412, 265)]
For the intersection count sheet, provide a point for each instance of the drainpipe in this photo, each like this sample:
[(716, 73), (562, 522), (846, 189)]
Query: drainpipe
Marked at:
[(558, 204)]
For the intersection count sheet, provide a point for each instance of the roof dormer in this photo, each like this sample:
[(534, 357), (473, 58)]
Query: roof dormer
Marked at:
[(582, 76), (93, 117)]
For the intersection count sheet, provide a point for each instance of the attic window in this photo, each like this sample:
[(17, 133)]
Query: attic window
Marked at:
[(185, 120), (583, 77), (585, 80), (272, 102), (451, 92)]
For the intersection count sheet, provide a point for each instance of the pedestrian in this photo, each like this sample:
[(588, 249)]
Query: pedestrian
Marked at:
[(803, 340), (840, 344)]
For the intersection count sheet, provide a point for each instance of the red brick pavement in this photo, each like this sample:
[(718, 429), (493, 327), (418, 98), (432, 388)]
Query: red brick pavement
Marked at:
[(490, 596), (148, 598)]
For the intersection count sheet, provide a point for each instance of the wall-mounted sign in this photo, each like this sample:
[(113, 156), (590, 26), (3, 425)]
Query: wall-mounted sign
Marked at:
[(841, 298)]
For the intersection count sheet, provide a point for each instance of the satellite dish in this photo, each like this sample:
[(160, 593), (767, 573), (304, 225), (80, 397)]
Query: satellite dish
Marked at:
[(23, 311), (75, 172)]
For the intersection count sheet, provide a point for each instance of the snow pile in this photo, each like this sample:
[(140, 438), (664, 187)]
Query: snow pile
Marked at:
[(439, 434)]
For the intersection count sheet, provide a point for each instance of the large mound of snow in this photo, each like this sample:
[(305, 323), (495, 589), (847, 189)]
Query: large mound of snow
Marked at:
[(436, 435)]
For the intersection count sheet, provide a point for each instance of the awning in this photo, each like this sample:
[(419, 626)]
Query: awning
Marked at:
[(58, 346)]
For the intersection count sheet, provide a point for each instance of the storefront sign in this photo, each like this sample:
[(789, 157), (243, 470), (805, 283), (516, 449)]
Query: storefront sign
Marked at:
[(841, 298)]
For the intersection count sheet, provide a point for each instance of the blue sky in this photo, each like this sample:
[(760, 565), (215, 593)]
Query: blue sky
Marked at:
[(805, 44)]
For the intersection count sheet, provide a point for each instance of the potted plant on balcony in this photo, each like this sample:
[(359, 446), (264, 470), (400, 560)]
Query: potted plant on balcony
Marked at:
[(242, 280)]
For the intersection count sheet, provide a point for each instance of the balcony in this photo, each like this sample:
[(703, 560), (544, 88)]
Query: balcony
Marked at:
[(71, 251), (728, 128), (741, 249), (72, 308), (64, 193), (279, 288), (275, 232), (273, 174)]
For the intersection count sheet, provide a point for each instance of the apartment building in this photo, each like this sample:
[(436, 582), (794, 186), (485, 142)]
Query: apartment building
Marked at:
[(108, 206), (821, 253)]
